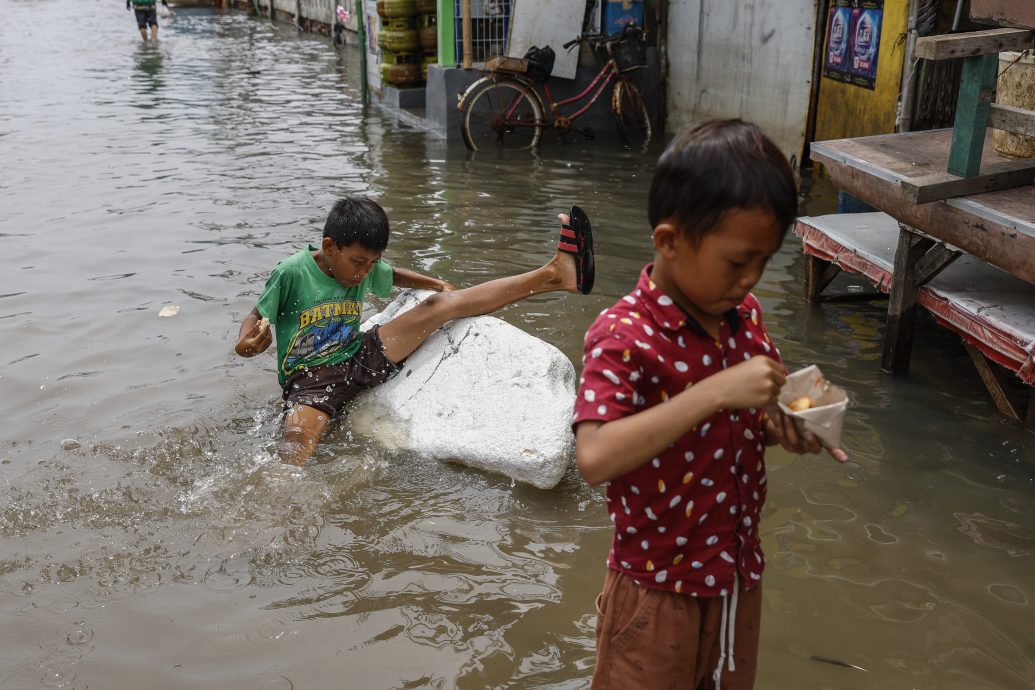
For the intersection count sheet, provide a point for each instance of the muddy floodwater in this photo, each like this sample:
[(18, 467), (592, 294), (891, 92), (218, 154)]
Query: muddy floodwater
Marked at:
[(148, 538)]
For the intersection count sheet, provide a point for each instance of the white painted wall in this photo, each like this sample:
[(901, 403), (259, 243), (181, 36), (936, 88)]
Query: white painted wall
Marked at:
[(742, 58)]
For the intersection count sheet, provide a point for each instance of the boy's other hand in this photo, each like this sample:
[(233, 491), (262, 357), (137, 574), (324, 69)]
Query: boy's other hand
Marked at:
[(784, 430), (446, 286), (254, 338), (753, 383)]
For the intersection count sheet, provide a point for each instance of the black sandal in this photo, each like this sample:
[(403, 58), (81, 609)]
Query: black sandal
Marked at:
[(577, 239)]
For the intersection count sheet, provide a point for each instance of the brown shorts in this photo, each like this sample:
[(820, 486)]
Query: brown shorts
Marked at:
[(649, 638), (331, 387)]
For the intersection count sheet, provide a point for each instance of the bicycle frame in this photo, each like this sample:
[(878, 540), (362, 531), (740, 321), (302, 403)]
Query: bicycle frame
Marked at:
[(604, 77), (607, 73)]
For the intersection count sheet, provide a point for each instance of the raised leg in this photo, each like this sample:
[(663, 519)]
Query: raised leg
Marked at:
[(405, 333)]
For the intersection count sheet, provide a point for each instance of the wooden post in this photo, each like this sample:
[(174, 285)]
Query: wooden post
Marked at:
[(993, 382), (898, 331), (968, 131), (467, 30), (818, 275), (905, 116)]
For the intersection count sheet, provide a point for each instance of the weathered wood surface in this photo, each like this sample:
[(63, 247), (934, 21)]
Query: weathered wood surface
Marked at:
[(972, 43), (1019, 13), (997, 227), (1012, 119), (923, 190)]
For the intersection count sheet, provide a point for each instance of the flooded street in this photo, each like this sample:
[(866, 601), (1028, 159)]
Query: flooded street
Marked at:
[(148, 538)]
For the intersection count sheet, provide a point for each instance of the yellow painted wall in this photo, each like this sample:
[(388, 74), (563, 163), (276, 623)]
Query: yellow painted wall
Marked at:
[(845, 110)]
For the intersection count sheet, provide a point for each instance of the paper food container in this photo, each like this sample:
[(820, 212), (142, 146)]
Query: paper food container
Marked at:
[(826, 416)]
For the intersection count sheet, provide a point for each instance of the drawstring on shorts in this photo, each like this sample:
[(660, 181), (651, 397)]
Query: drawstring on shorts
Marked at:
[(727, 626)]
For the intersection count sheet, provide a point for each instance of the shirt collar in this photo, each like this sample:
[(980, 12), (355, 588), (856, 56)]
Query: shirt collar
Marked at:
[(668, 313)]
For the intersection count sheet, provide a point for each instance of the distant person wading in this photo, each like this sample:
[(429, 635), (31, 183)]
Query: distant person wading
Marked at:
[(147, 15)]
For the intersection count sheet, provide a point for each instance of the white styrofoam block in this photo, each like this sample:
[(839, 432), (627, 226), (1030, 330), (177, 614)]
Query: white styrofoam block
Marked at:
[(480, 392)]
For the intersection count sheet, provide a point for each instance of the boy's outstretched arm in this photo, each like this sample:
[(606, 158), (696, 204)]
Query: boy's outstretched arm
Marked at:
[(604, 451), (255, 335), (404, 278)]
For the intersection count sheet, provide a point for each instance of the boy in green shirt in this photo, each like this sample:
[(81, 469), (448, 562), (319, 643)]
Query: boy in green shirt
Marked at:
[(314, 299)]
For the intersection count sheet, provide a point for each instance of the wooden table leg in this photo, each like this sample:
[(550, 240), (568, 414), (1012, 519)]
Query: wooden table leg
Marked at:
[(898, 331), (918, 259), (818, 274)]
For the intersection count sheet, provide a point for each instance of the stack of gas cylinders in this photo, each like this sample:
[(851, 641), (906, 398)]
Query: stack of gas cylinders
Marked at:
[(408, 40)]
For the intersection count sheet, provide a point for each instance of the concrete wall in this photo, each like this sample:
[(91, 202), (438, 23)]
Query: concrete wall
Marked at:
[(742, 58)]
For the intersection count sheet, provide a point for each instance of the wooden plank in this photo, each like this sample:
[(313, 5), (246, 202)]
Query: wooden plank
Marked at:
[(993, 382), (924, 190), (934, 262), (1012, 119), (996, 227), (1020, 13), (973, 43), (968, 130)]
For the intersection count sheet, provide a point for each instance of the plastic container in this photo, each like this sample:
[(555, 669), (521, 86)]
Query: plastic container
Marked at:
[(1016, 87), (618, 15)]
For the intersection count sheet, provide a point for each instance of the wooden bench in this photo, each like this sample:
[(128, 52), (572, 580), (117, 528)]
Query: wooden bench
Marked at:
[(992, 311)]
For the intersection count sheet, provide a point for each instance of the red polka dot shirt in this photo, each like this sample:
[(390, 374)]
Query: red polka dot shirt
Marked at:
[(686, 520)]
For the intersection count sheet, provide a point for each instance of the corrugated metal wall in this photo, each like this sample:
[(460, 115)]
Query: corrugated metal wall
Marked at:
[(742, 58)]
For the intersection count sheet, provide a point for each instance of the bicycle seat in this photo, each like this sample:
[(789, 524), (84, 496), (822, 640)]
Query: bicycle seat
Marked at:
[(502, 63)]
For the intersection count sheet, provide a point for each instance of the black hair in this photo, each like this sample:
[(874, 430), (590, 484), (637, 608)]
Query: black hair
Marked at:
[(718, 166), (357, 219)]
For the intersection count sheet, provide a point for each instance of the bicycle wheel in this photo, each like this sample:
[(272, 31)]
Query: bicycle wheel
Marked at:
[(631, 116), (502, 114)]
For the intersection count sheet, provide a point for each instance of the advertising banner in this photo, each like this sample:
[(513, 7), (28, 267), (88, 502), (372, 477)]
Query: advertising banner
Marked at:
[(853, 42)]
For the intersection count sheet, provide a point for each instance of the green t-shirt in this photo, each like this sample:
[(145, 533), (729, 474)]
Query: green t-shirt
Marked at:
[(316, 317), (144, 4)]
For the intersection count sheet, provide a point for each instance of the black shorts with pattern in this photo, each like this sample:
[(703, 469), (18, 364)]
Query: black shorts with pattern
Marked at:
[(331, 387)]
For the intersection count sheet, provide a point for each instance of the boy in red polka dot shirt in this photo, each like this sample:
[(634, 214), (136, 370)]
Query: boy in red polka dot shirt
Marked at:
[(671, 415)]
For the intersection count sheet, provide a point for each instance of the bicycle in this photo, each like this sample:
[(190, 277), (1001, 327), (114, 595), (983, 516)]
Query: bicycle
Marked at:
[(505, 109)]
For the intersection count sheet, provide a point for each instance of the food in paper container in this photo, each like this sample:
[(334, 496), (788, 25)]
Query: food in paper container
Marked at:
[(818, 405), (801, 404)]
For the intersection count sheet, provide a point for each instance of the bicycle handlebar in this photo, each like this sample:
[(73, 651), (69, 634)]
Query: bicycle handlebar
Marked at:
[(609, 40)]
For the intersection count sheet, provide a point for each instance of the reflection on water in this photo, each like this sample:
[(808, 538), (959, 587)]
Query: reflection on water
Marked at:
[(149, 539)]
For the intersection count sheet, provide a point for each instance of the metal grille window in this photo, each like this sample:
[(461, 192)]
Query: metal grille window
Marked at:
[(490, 23)]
